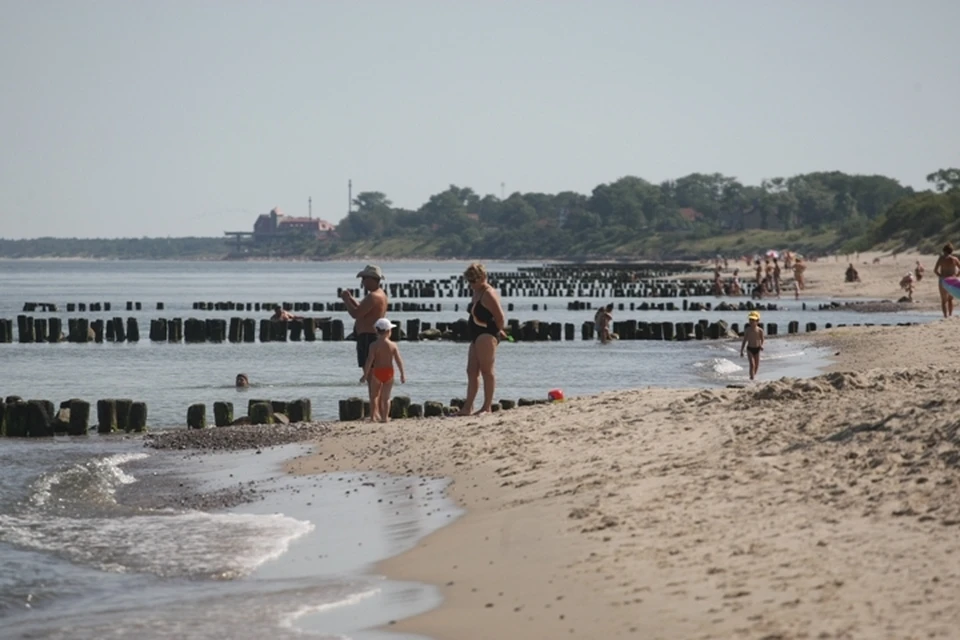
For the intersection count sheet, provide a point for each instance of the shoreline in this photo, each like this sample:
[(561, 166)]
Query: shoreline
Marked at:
[(775, 509)]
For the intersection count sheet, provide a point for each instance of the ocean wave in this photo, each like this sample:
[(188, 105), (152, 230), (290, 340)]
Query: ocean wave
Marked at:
[(191, 544), (718, 366), (94, 480)]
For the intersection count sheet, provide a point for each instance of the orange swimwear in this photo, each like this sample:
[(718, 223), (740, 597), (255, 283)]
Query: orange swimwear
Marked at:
[(383, 374)]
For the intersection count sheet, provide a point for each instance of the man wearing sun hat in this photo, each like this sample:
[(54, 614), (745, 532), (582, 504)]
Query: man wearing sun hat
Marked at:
[(367, 311)]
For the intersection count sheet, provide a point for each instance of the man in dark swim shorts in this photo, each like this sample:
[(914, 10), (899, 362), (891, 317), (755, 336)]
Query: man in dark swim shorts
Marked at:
[(367, 311)]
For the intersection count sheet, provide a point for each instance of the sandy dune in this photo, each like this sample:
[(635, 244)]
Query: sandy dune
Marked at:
[(821, 508)]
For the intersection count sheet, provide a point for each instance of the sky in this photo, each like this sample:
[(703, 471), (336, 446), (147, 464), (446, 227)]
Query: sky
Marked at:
[(191, 117)]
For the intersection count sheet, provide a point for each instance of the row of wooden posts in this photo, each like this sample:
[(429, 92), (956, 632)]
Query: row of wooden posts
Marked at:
[(72, 307), (639, 289), (258, 412), (240, 330), (352, 409), (21, 418)]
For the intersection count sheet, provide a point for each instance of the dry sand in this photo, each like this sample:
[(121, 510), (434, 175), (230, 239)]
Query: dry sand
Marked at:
[(880, 275), (820, 508)]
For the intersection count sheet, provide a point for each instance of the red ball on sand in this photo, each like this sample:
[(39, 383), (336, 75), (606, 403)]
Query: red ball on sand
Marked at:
[(556, 395)]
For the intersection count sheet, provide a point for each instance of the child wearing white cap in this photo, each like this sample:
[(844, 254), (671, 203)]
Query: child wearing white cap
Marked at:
[(378, 370)]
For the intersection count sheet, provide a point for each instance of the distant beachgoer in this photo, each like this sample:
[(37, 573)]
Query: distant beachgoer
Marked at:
[(851, 274), (735, 289), (280, 315), (485, 325), (947, 265), (367, 311), (796, 290), (918, 271), (242, 381), (906, 283), (753, 341), (603, 318), (776, 277), (378, 370), (798, 268)]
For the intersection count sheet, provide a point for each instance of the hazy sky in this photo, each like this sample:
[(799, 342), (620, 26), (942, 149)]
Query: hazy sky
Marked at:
[(176, 117)]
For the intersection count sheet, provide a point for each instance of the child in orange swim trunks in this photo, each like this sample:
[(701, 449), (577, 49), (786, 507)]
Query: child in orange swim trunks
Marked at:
[(379, 369)]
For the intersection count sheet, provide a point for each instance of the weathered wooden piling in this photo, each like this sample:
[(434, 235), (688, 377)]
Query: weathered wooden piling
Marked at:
[(175, 330), (79, 418), (40, 329), (197, 416), (123, 414), (133, 330), (15, 418), (432, 409), (507, 404), (252, 402), (310, 329), (3, 417), (399, 407), (415, 410), (249, 330), (300, 410), (106, 416), (99, 333), (351, 409), (39, 419), (25, 329), (262, 413), (223, 414), (138, 417), (279, 406), (119, 334), (54, 330), (158, 330), (236, 332)]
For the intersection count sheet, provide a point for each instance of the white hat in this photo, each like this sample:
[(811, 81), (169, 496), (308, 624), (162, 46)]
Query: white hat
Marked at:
[(383, 325)]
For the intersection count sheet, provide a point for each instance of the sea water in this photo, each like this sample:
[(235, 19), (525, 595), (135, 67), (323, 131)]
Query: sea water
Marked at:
[(93, 543)]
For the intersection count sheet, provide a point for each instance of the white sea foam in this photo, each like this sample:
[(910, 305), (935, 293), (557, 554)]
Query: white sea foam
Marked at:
[(191, 544), (98, 477), (290, 619), (719, 366)]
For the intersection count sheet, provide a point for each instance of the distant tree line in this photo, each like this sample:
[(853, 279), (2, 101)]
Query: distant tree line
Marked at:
[(925, 220), (114, 248), (858, 212), (631, 208)]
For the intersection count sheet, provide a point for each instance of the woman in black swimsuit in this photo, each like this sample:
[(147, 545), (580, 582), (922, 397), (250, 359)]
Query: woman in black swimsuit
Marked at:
[(485, 326)]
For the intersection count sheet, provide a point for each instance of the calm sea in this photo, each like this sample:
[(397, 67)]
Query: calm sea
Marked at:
[(89, 552)]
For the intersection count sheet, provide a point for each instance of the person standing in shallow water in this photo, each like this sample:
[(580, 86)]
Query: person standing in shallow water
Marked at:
[(753, 342), (947, 265), (367, 311), (485, 326)]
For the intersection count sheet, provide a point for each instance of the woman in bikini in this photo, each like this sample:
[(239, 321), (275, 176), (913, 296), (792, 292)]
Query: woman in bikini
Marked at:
[(947, 265), (485, 326)]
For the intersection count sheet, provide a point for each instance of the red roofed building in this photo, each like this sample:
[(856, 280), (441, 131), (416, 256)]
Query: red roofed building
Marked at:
[(690, 215), (275, 223)]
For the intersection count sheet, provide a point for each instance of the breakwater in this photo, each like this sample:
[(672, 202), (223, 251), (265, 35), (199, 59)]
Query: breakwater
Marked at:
[(354, 408), (248, 330), (21, 418)]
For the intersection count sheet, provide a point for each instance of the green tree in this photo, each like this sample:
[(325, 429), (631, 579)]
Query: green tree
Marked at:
[(945, 179)]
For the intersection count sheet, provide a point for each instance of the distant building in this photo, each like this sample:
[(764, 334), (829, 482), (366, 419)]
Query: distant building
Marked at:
[(275, 223), (277, 226)]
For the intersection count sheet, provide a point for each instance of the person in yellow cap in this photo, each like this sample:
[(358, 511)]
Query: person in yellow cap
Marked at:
[(753, 341)]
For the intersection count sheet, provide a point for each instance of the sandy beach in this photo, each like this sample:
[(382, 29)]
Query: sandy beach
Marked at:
[(818, 508)]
